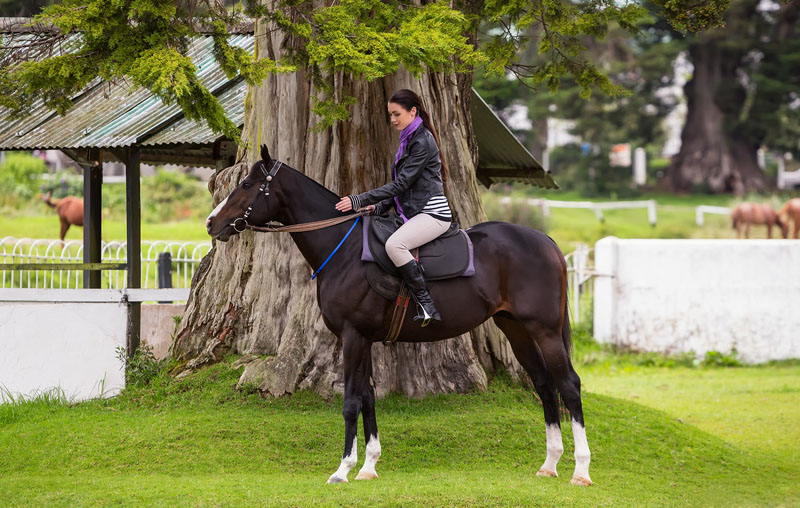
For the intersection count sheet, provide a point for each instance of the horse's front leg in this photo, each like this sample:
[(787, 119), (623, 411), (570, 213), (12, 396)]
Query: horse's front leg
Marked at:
[(373, 448), (356, 357)]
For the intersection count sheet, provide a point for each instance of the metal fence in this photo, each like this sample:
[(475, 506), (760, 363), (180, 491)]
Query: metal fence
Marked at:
[(185, 258), (580, 270)]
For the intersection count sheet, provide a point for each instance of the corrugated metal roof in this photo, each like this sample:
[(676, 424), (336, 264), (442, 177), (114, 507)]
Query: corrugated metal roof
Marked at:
[(118, 115), (501, 157)]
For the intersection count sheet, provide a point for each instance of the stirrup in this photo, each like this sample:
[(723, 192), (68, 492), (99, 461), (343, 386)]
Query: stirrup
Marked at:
[(424, 316)]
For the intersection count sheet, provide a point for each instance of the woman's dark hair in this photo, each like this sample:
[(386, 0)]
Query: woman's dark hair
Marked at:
[(407, 99)]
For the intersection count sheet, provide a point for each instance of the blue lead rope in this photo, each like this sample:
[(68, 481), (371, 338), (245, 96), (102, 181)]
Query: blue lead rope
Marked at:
[(314, 275)]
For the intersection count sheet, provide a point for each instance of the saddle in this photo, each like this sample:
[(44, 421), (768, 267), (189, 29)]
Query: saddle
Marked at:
[(448, 256)]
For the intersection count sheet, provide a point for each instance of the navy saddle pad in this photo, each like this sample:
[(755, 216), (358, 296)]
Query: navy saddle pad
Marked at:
[(446, 257)]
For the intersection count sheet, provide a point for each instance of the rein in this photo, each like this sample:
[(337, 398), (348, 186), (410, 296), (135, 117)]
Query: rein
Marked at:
[(307, 226)]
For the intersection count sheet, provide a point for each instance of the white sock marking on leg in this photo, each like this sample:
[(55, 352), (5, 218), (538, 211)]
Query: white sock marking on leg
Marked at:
[(348, 462), (555, 447), (373, 453), (582, 454)]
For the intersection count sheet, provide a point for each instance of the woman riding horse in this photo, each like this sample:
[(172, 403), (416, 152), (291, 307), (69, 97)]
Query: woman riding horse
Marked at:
[(417, 193)]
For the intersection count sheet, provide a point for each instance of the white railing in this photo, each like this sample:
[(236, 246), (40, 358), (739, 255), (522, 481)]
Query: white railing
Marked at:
[(703, 209), (185, 258), (581, 275), (596, 207)]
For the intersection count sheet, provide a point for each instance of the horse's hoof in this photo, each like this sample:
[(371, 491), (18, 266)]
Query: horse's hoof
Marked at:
[(336, 479), (547, 472), (366, 476), (580, 480)]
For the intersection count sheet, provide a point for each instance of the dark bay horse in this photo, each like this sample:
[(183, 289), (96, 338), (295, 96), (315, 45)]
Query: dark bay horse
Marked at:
[(521, 283)]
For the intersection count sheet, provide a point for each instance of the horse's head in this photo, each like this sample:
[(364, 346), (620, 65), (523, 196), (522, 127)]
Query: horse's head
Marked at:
[(250, 203)]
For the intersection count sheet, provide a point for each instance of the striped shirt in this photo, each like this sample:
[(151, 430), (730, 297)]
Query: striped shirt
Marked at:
[(438, 208)]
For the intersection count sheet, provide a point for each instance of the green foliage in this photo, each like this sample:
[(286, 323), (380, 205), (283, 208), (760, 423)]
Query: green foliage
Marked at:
[(145, 41), (590, 173), (515, 212), (717, 359), (141, 367), (19, 178), (166, 196)]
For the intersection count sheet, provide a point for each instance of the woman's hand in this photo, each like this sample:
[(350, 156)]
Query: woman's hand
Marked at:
[(344, 204)]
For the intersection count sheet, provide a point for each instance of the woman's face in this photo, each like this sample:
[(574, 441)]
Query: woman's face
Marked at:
[(401, 117)]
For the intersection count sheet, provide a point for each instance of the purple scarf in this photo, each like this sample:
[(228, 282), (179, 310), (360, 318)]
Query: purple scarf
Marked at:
[(405, 135)]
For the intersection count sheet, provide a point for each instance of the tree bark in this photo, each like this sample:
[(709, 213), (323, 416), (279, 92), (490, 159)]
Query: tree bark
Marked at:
[(252, 295), (716, 149)]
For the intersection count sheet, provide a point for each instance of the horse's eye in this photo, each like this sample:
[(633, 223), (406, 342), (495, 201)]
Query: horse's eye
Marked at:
[(246, 185)]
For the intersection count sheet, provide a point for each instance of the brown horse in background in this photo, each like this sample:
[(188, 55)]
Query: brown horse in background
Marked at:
[(745, 214), (792, 211), (69, 209)]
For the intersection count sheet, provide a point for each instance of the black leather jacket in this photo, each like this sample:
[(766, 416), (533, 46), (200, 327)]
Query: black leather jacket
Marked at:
[(419, 177)]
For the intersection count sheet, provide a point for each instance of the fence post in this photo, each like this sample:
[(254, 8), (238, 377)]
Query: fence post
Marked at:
[(651, 212), (165, 271)]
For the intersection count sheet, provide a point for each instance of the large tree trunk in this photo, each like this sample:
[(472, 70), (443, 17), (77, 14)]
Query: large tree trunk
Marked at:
[(253, 296), (715, 150)]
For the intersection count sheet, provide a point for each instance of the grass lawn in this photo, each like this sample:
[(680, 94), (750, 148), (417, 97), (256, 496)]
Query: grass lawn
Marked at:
[(47, 226), (659, 437)]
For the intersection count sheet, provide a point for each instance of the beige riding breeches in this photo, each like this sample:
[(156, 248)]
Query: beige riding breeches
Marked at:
[(419, 230)]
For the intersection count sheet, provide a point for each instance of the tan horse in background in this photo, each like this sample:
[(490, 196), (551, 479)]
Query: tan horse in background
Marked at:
[(745, 214), (792, 211), (69, 209)]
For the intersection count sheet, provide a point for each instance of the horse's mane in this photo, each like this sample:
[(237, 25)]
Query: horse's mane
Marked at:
[(325, 191)]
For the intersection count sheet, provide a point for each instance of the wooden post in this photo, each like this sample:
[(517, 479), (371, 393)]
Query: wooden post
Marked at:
[(92, 208), (134, 220)]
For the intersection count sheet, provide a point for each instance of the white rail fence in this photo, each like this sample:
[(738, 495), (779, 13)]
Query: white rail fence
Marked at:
[(704, 209), (185, 258), (596, 207)]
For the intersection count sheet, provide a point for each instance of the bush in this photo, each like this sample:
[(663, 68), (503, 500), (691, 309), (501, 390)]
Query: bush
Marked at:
[(717, 359), (142, 367), (590, 173), (518, 211), (19, 178), (167, 195)]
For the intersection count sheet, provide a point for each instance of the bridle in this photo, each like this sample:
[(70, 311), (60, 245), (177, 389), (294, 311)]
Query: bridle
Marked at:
[(268, 176), (294, 228)]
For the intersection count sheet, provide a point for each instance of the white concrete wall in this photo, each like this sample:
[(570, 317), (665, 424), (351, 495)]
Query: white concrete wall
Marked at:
[(700, 295), (70, 345)]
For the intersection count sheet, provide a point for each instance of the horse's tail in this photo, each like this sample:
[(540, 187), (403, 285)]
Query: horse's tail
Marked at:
[(566, 338), (566, 329)]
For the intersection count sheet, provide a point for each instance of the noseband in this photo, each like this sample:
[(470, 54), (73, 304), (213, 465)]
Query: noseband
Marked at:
[(268, 176)]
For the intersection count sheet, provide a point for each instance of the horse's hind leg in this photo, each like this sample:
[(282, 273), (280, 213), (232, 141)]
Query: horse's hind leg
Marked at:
[(555, 356), (529, 357), (64, 228), (373, 450), (356, 355)]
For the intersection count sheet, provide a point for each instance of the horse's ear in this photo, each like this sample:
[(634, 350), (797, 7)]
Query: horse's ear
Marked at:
[(265, 153)]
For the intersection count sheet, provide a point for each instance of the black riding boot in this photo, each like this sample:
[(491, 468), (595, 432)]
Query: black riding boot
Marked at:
[(412, 275)]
